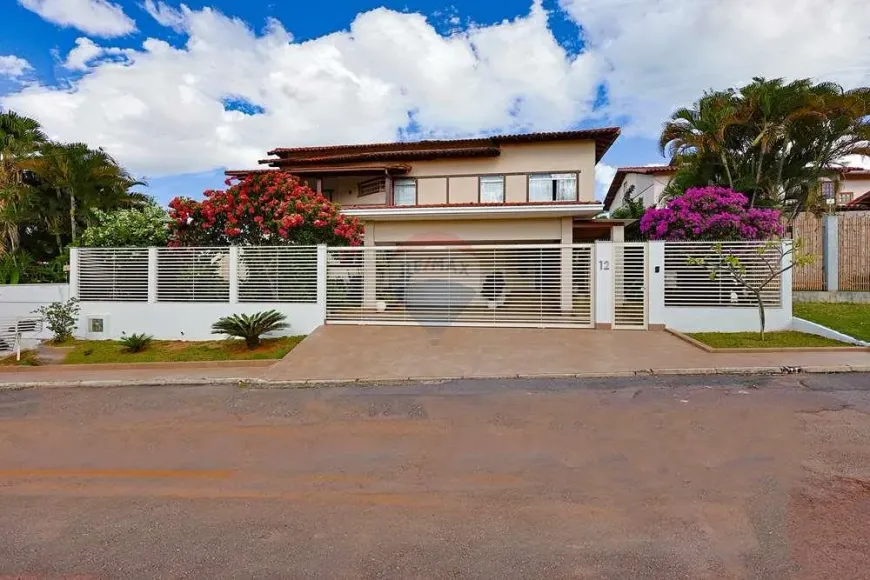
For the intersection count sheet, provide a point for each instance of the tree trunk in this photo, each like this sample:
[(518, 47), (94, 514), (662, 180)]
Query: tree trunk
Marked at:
[(72, 216), (727, 171), (761, 314)]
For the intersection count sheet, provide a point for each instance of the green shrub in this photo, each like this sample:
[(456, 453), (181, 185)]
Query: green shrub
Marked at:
[(250, 327), (136, 342), (61, 318)]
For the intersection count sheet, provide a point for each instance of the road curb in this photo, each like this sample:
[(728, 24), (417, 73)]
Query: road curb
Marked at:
[(258, 383)]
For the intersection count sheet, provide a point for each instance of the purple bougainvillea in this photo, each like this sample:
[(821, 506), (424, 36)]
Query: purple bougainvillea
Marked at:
[(710, 213)]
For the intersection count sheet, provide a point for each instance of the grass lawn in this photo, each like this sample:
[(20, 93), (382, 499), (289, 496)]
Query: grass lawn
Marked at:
[(851, 319), (109, 351), (784, 339)]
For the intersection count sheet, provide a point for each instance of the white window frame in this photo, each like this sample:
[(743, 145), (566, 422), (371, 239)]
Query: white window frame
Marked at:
[(490, 179), (554, 179), (404, 182)]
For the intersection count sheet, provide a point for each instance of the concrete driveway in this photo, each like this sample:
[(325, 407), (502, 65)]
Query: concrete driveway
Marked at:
[(343, 352), (652, 478)]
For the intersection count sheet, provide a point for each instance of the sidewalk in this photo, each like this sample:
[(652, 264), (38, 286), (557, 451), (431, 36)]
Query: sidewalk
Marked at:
[(144, 374), (338, 354)]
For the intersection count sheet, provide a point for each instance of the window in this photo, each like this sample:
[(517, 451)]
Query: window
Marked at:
[(845, 197), (553, 187), (492, 189), (372, 186), (828, 188), (405, 192)]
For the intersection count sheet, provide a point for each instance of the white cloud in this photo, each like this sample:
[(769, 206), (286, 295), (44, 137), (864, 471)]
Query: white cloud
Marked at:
[(13, 66), (604, 174), (166, 15), (662, 54), (95, 17), (86, 52), (161, 111)]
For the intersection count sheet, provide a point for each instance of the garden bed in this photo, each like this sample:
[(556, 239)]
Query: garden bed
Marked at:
[(773, 340), (850, 319), (110, 351)]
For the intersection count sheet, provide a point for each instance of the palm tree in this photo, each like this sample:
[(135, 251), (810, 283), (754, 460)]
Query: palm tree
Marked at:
[(20, 139), (84, 180), (770, 139)]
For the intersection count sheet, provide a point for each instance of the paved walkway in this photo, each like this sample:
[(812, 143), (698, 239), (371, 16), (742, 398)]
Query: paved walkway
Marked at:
[(399, 352), (342, 353)]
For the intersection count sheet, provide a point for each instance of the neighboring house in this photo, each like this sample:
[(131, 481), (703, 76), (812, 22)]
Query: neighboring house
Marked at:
[(649, 183), (531, 188), (854, 189)]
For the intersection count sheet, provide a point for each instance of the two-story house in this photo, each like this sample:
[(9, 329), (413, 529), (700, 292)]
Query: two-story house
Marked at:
[(529, 188)]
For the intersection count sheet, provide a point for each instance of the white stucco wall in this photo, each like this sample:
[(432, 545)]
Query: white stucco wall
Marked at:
[(22, 299), (186, 321), (706, 319)]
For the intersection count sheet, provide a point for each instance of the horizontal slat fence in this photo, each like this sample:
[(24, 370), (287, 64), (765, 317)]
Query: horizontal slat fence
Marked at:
[(687, 284), (113, 275)]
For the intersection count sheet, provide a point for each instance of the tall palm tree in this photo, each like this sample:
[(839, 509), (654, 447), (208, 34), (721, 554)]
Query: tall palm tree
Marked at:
[(84, 180), (771, 139), (20, 139)]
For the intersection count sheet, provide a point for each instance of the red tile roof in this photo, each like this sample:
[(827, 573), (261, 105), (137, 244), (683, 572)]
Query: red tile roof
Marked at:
[(603, 137), (862, 201), (420, 154), (621, 172)]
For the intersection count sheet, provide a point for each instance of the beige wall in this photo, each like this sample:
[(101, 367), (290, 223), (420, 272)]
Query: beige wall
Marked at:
[(432, 191), (857, 186), (345, 191), (467, 231), (516, 188), (523, 158), (463, 190)]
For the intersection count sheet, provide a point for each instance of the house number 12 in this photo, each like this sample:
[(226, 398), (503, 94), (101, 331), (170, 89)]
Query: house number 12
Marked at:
[(603, 264)]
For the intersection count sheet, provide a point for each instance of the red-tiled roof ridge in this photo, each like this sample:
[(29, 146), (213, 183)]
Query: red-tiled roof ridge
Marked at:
[(863, 199), (603, 136), (418, 154)]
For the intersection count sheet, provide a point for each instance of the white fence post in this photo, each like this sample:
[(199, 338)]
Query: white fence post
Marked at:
[(656, 283), (74, 272), (234, 274), (603, 284), (152, 275), (321, 281)]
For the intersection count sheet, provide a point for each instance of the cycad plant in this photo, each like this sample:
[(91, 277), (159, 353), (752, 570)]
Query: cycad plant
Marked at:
[(136, 342), (250, 327)]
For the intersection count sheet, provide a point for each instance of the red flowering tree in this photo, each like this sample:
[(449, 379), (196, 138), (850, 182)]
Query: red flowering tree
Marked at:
[(261, 209)]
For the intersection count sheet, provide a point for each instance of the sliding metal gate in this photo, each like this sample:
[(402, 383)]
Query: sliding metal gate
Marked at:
[(630, 286), (481, 285)]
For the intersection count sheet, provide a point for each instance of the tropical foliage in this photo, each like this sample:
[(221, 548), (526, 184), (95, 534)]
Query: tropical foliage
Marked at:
[(710, 213), (770, 140), (49, 193), (128, 228), (61, 318), (272, 208), (136, 342), (250, 327)]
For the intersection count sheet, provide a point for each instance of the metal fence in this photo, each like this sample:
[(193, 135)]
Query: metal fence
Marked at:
[(279, 274), (516, 285), (113, 275), (688, 284)]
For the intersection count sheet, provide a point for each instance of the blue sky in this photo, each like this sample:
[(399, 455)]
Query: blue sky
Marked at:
[(178, 91)]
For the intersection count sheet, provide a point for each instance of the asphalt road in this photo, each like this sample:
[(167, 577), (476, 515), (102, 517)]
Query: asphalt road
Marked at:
[(672, 477)]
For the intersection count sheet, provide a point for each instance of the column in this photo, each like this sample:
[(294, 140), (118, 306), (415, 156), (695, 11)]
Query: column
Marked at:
[(74, 272), (786, 280), (603, 284), (656, 284), (831, 252), (370, 268), (321, 281), (567, 265), (152, 275)]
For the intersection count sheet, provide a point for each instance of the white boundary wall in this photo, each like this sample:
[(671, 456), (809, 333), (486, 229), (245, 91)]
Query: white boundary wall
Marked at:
[(192, 320), (711, 319)]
